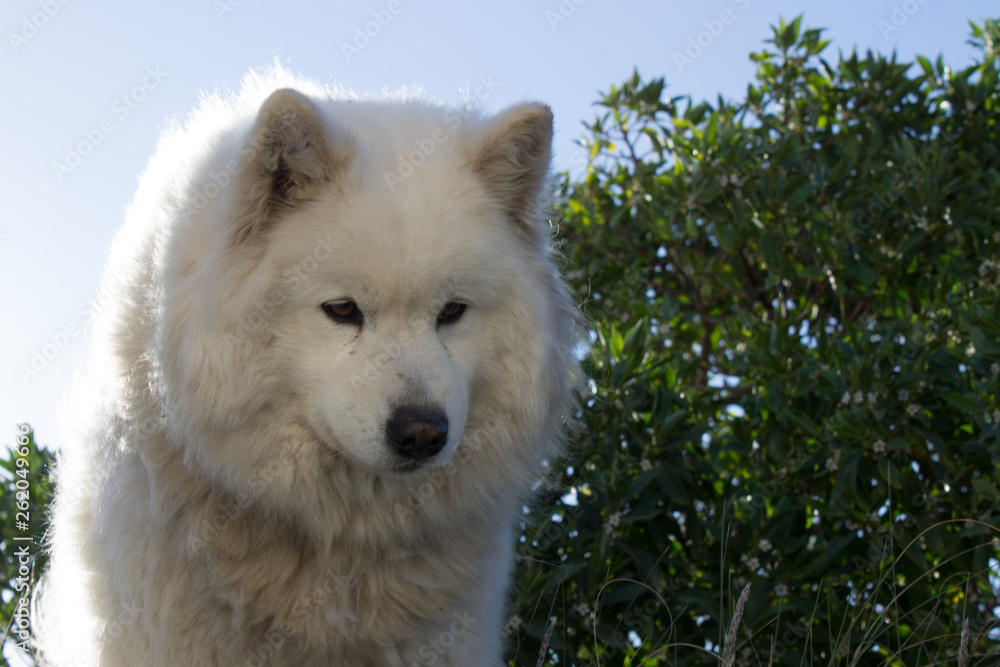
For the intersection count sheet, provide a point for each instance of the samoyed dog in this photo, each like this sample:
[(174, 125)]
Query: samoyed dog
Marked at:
[(336, 355)]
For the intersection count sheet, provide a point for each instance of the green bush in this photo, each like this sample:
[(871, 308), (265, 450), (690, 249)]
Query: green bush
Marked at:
[(795, 370)]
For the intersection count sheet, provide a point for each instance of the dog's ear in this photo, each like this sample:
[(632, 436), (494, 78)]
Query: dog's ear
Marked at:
[(291, 149), (513, 158)]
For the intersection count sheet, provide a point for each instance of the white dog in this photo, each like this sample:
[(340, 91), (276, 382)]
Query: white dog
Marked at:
[(337, 351)]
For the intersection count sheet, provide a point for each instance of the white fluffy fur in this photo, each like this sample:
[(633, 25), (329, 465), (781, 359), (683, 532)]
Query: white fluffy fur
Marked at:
[(231, 499)]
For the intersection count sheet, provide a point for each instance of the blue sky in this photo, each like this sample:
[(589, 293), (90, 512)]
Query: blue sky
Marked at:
[(105, 76)]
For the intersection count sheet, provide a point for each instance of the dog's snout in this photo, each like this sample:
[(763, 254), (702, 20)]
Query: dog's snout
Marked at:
[(416, 432)]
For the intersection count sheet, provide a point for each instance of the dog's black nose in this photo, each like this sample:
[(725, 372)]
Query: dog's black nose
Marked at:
[(417, 432)]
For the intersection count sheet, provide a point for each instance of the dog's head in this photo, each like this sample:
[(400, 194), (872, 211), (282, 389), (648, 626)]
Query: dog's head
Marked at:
[(375, 280)]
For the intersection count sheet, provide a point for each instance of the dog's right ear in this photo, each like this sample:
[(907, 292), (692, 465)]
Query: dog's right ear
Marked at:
[(513, 158), (291, 150)]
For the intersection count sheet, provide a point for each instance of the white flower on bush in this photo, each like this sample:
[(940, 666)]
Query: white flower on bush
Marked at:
[(903, 394), (831, 465), (846, 398), (513, 624), (859, 397), (645, 465), (879, 446), (753, 564), (612, 523), (582, 608), (995, 368), (912, 409), (781, 590), (765, 545)]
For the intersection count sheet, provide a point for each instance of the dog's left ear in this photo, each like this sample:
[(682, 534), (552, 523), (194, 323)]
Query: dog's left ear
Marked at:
[(513, 159), (291, 149)]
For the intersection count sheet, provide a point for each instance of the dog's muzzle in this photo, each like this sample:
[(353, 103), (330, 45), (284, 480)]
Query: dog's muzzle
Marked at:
[(417, 433)]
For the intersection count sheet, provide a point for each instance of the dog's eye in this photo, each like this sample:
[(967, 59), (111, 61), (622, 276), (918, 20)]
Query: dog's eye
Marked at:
[(450, 312), (343, 312)]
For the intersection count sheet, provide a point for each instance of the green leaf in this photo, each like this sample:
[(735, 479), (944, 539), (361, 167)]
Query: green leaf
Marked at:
[(962, 402), (769, 244), (826, 556), (861, 274), (926, 66), (727, 237)]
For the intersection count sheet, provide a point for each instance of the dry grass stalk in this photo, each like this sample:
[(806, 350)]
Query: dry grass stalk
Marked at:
[(963, 649), (545, 643), (729, 650)]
